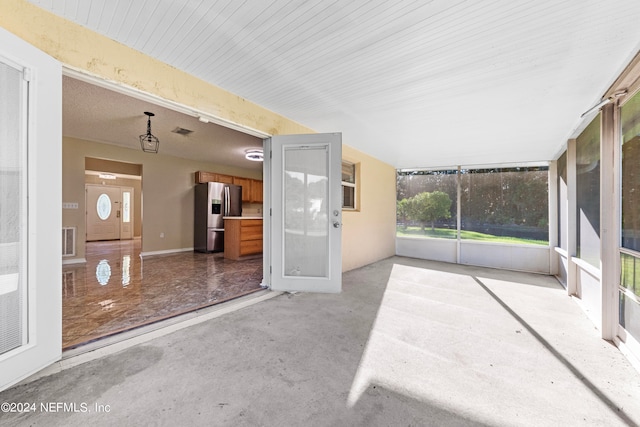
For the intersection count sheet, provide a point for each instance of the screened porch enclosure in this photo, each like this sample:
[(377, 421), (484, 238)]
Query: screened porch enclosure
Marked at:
[(490, 216), (576, 217)]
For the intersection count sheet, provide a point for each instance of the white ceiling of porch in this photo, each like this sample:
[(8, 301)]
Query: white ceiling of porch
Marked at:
[(412, 82)]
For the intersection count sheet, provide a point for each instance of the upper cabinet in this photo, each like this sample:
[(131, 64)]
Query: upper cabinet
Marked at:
[(251, 188), (202, 176), (245, 183), (256, 191)]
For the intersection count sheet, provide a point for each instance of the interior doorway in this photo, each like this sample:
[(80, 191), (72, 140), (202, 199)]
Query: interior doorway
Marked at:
[(116, 283), (109, 212), (113, 197)]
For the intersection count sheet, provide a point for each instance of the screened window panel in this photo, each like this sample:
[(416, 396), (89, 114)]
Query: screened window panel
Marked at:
[(588, 193), (415, 217), (563, 206), (630, 121), (630, 238), (508, 205), (630, 315)]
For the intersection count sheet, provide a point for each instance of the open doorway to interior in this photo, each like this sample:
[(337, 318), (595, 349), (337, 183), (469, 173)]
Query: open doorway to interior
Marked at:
[(113, 195), (116, 279)]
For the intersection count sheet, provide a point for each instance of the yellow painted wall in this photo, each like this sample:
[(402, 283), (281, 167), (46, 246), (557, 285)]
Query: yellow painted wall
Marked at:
[(367, 234), (370, 232)]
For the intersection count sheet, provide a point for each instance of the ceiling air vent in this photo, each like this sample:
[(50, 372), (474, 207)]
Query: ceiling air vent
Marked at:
[(182, 131)]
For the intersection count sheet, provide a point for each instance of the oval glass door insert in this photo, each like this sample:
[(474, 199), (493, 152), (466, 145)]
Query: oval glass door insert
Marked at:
[(103, 207)]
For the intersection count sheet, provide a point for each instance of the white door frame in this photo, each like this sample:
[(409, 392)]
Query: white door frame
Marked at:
[(274, 237)]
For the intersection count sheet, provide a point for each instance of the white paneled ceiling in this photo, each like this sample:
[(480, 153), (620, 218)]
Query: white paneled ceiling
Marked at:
[(412, 82)]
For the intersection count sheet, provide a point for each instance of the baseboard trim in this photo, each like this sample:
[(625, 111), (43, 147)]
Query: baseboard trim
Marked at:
[(165, 252), (74, 261)]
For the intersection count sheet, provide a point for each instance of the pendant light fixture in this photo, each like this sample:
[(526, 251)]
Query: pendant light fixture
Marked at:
[(148, 142)]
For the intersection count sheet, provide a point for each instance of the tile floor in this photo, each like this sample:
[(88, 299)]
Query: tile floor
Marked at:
[(116, 290)]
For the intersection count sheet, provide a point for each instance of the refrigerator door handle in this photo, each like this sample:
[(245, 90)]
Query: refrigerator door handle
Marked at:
[(226, 201)]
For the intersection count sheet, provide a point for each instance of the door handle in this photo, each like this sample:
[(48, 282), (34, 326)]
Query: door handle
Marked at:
[(227, 203), (336, 224), (118, 213)]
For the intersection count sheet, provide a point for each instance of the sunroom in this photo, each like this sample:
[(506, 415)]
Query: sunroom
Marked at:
[(576, 217)]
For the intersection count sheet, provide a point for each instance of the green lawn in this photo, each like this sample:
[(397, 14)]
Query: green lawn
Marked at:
[(466, 235)]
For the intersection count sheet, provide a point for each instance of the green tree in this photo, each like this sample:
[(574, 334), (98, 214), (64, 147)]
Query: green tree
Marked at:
[(428, 207), (403, 211)]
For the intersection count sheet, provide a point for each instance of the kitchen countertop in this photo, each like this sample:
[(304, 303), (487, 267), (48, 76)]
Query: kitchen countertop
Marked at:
[(242, 217)]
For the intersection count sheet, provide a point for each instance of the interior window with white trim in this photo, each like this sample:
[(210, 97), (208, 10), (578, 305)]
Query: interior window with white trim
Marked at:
[(349, 186)]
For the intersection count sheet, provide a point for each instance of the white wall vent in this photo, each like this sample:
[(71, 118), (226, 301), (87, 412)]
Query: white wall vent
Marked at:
[(68, 241)]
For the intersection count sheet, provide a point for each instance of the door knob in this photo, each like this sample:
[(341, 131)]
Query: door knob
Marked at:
[(336, 224)]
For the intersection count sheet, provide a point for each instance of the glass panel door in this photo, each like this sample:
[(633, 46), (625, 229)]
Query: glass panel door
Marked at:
[(30, 209), (13, 209), (306, 212), (306, 215)]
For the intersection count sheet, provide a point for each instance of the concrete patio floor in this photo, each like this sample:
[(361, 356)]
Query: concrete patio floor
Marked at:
[(407, 342)]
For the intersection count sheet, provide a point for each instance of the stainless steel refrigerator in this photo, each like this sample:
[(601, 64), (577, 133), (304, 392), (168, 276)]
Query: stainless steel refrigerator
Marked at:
[(213, 201)]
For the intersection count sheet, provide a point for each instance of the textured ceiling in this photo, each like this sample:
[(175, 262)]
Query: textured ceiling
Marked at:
[(415, 83), (96, 114)]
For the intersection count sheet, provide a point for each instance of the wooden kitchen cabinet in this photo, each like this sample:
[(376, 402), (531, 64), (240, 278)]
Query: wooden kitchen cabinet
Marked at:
[(242, 237), (251, 188), (225, 179), (203, 176), (246, 188), (256, 191)]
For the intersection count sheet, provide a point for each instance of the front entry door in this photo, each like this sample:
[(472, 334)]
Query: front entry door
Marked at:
[(103, 212), (306, 212)]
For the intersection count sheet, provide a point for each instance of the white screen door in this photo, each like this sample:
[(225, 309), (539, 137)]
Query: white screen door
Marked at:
[(31, 209), (306, 206)]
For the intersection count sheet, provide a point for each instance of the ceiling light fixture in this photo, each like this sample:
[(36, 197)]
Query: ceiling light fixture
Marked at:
[(148, 142), (255, 155)]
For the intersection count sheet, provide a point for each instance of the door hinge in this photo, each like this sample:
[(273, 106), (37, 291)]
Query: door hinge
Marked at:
[(270, 212), (270, 269)]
